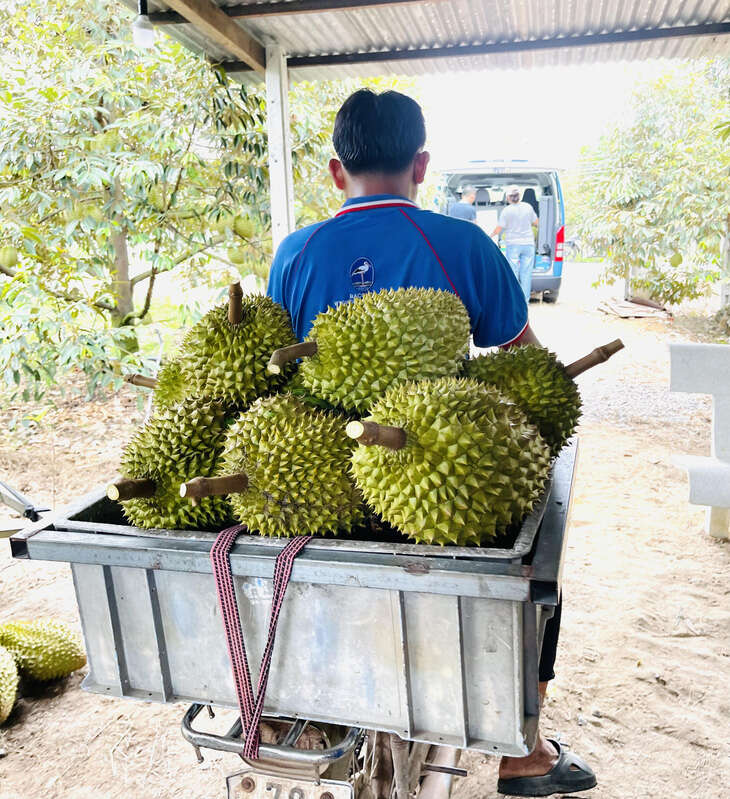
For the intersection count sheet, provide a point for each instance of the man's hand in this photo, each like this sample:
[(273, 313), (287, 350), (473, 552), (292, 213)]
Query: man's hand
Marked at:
[(526, 337)]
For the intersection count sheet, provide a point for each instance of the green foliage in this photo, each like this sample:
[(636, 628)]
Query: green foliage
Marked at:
[(654, 192), (116, 165)]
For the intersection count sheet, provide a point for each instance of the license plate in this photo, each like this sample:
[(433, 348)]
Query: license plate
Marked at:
[(250, 784)]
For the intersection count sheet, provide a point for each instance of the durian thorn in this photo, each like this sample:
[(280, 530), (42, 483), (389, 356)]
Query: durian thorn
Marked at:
[(599, 355), (285, 355), (372, 433), (129, 488), (214, 486), (140, 380), (235, 304)]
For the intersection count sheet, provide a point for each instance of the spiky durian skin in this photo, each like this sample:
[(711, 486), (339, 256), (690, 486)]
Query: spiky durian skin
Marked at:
[(8, 683), (227, 363), (172, 383), (382, 338), (44, 649), (534, 379), (472, 463), (297, 459), (175, 445)]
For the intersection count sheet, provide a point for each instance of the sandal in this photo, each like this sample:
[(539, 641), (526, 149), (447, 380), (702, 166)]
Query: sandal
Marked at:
[(570, 774)]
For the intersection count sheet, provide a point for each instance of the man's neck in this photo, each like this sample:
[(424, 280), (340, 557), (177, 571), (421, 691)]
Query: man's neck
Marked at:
[(368, 185)]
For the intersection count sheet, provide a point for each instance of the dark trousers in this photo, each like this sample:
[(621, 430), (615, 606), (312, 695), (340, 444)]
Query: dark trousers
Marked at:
[(550, 645)]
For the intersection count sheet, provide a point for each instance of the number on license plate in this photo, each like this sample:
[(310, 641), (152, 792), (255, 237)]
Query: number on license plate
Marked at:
[(251, 784)]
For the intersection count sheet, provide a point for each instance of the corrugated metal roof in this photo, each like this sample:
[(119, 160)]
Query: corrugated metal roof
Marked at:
[(462, 23)]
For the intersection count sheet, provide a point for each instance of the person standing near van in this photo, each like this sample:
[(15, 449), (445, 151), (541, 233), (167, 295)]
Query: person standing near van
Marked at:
[(516, 222), (464, 208)]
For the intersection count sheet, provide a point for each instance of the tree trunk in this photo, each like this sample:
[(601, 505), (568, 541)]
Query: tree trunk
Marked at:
[(121, 287)]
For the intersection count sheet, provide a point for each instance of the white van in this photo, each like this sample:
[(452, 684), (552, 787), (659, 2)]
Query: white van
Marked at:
[(540, 186)]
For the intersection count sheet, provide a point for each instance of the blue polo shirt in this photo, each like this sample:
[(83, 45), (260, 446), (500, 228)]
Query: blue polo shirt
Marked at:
[(388, 242)]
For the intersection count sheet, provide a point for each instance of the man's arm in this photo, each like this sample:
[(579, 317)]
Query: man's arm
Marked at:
[(526, 337), (497, 230)]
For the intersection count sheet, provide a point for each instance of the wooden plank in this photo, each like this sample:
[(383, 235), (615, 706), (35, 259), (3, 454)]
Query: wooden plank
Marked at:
[(279, 8), (218, 27)]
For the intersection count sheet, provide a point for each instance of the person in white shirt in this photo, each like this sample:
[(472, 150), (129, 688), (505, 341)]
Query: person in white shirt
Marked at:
[(516, 222)]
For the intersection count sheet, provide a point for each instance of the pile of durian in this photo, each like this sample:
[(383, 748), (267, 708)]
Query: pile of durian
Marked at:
[(41, 650), (378, 414)]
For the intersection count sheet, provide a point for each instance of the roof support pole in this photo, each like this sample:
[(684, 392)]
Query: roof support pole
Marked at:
[(280, 160)]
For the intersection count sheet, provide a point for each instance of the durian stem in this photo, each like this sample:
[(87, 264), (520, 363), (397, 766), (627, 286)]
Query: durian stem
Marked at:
[(129, 488), (140, 380), (235, 304), (372, 433), (214, 486), (286, 355), (599, 355)]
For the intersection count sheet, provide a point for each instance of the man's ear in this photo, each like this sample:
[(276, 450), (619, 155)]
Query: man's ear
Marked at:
[(420, 164), (338, 173)]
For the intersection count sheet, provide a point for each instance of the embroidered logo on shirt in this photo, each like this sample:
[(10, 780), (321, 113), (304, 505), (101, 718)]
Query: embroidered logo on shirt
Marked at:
[(362, 274)]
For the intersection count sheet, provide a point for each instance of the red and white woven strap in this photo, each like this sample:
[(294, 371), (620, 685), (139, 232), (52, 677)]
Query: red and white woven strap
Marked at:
[(250, 706)]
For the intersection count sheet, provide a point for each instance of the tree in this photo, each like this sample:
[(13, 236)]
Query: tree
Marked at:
[(111, 155), (655, 192)]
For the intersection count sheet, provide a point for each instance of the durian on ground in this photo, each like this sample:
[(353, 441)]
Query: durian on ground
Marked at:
[(8, 683), (177, 443), (470, 463), (44, 649), (293, 461), (379, 339)]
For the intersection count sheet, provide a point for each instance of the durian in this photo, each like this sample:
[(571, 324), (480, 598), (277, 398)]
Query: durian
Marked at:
[(360, 348), (171, 383), (286, 466), (448, 461), (177, 443), (226, 352), (542, 387), (43, 649), (8, 683)]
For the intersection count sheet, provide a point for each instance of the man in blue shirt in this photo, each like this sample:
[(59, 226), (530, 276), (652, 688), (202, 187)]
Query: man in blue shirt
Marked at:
[(464, 208), (380, 239)]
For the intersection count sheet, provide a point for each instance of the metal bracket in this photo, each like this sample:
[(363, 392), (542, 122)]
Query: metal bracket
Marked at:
[(9, 496), (283, 759)]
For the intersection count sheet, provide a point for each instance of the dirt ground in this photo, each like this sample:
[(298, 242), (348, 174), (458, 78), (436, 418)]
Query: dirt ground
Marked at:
[(641, 687)]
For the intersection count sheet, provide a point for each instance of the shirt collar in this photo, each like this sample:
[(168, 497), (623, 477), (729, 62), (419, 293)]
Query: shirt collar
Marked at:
[(375, 201)]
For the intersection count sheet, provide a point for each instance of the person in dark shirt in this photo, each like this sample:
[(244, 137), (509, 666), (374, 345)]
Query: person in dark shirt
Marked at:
[(464, 208), (381, 239)]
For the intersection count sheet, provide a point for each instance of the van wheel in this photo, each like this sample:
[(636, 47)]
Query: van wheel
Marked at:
[(550, 296)]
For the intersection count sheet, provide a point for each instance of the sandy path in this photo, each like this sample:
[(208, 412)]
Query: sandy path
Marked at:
[(645, 650)]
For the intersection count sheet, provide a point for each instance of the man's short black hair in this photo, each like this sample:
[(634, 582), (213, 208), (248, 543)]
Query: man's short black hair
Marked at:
[(378, 132)]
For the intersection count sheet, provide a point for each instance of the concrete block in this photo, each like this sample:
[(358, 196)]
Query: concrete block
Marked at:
[(700, 368), (717, 523), (709, 480), (721, 427)]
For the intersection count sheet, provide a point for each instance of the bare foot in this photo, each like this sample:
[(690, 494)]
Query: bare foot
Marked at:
[(542, 758)]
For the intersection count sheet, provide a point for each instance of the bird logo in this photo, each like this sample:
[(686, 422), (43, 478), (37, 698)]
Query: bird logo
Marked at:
[(362, 273)]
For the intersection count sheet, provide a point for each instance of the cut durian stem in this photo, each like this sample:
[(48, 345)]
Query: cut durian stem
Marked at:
[(235, 304), (129, 488), (140, 380), (372, 434), (286, 355), (214, 486), (599, 355)]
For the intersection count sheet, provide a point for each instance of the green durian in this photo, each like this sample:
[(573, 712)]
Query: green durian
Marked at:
[(533, 378), (8, 683), (177, 443), (297, 461), (44, 649), (383, 338), (471, 463), (227, 362), (172, 383)]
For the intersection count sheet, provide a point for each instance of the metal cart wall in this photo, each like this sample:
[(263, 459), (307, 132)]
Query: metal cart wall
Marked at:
[(436, 644)]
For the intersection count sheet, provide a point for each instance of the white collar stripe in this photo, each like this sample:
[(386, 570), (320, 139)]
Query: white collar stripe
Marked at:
[(375, 204)]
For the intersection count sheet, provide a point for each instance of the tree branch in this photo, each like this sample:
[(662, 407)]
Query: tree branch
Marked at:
[(62, 295), (148, 274)]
